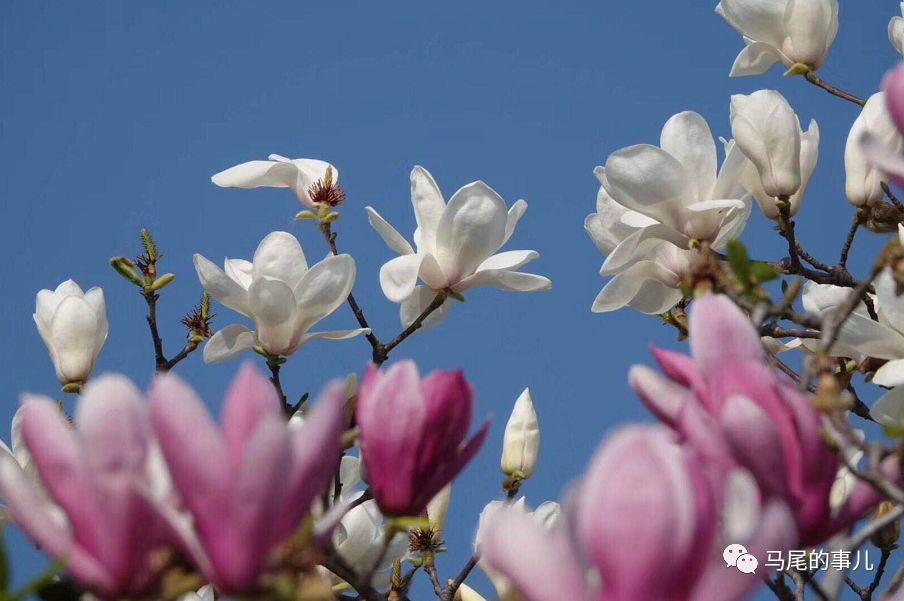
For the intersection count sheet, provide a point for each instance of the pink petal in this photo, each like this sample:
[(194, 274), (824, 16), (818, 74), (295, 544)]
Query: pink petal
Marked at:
[(313, 446), (194, 450), (449, 403), (250, 397), (445, 472), (721, 334), (755, 443), (60, 459), (893, 84), (663, 397), (541, 565)]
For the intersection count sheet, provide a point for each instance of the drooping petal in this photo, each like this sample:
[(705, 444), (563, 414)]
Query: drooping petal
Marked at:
[(391, 237), (227, 343), (646, 286), (470, 230), (413, 306), (503, 279), (256, 174), (332, 335), (398, 277), (755, 59), (510, 260), (642, 245)]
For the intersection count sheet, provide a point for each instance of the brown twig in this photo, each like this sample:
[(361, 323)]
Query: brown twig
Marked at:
[(435, 304), (849, 240), (449, 593), (814, 79)]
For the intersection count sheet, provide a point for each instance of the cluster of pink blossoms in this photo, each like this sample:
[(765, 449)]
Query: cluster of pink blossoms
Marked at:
[(738, 459), (134, 478)]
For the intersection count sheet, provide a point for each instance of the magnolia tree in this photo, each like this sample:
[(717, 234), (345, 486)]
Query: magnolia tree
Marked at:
[(754, 475)]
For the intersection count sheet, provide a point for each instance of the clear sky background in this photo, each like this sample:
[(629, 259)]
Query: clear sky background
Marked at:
[(114, 115)]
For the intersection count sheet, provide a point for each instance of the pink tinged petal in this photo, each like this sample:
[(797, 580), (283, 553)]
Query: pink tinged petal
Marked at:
[(663, 397), (540, 564), (220, 286), (315, 452), (702, 433), (721, 334), (33, 514), (250, 398), (682, 369), (256, 174), (59, 457), (755, 443), (894, 95), (195, 452), (279, 256), (428, 208), (449, 401), (390, 235), (862, 499), (514, 215), (241, 547), (649, 180), (111, 417), (443, 472), (324, 288), (391, 416), (398, 277), (755, 59), (687, 137), (471, 229), (640, 492), (227, 343)]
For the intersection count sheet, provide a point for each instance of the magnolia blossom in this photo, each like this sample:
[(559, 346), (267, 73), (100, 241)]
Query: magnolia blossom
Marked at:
[(546, 515), (863, 182), (896, 31), (644, 493), (247, 485), (730, 405), (885, 155), (768, 133), (95, 481), (786, 31), (301, 175), (521, 440), (280, 294), (73, 325), (359, 540), (809, 154), (413, 434), (654, 204), (457, 246)]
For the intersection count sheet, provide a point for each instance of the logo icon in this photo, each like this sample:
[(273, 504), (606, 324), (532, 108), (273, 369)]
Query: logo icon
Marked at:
[(736, 556)]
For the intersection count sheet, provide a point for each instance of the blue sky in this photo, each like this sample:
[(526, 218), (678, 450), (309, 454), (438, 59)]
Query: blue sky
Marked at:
[(114, 115)]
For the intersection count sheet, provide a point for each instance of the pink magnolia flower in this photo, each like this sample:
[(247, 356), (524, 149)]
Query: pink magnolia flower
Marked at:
[(93, 511), (246, 485), (642, 493), (725, 401), (413, 434), (886, 158)]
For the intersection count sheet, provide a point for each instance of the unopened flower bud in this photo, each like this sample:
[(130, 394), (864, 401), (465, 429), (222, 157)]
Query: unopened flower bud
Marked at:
[(162, 281), (438, 507), (126, 269), (521, 441), (886, 537)]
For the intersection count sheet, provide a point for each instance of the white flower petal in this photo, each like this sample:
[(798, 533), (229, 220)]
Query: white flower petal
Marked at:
[(687, 137), (227, 343), (761, 20), (514, 215), (398, 277), (220, 286), (279, 256), (755, 59), (642, 287), (333, 335), (324, 288), (891, 374), (239, 271), (276, 316), (471, 229), (428, 208), (412, 307), (390, 235), (512, 281), (510, 259), (639, 246), (256, 174), (888, 409)]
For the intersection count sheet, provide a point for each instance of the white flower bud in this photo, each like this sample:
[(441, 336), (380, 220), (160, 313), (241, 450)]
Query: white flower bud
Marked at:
[(863, 179), (896, 31), (767, 131), (521, 441), (73, 325)]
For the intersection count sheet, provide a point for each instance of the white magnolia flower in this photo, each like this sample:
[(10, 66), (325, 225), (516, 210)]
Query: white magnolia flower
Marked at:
[(654, 204), (786, 31), (846, 480), (820, 299), (809, 154), (862, 185), (205, 593), (280, 294), (521, 440), (896, 31), (768, 133), (73, 325), (547, 514), (457, 246), (278, 172)]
